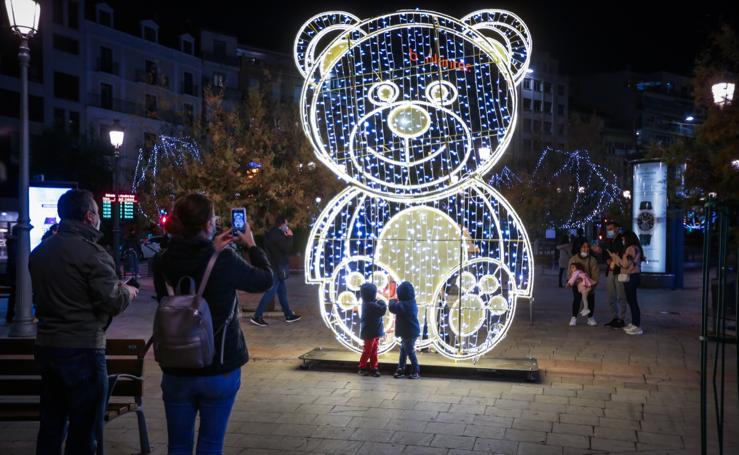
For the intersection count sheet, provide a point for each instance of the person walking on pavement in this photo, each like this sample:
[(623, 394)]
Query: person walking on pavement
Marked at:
[(613, 243), (279, 243), (77, 293), (590, 266), (564, 249)]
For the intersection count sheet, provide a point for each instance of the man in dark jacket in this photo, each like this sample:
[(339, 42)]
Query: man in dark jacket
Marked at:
[(370, 329), (77, 293), (407, 328), (279, 243)]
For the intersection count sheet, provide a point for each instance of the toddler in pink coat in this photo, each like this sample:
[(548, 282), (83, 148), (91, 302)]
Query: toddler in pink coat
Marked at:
[(584, 284)]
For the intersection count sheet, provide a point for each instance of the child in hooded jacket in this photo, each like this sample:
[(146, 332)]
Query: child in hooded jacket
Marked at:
[(407, 328), (370, 329)]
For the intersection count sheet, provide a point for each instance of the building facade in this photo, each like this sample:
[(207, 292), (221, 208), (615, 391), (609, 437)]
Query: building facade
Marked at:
[(543, 111)]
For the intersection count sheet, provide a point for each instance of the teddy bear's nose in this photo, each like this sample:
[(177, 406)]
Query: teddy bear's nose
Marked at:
[(409, 121)]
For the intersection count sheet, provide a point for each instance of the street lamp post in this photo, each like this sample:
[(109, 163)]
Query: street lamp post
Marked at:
[(23, 16), (116, 140)]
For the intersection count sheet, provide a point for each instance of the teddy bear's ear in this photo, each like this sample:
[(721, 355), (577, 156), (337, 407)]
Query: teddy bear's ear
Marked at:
[(311, 35), (506, 34)]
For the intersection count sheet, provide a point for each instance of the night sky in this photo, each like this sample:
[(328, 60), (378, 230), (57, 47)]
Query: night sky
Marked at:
[(584, 36)]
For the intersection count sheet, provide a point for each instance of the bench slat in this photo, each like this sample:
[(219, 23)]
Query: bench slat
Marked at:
[(32, 387), (17, 412), (28, 366), (24, 346)]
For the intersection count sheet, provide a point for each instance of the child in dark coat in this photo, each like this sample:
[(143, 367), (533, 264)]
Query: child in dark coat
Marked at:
[(370, 329), (407, 328)]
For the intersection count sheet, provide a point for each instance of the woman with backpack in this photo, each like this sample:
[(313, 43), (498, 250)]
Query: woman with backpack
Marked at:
[(192, 256)]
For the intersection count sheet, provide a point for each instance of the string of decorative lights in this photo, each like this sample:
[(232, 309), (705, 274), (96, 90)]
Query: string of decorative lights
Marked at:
[(595, 187), (167, 149)]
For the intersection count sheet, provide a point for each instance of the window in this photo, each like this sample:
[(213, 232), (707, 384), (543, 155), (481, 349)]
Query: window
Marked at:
[(547, 87), (65, 44), (10, 102), (66, 86), (187, 86), (105, 18), (537, 106), (527, 83), (527, 125), (189, 114), (548, 127), (151, 106), (219, 80), (537, 126), (547, 107), (74, 15), (561, 109), (187, 46), (219, 47), (151, 67), (105, 63), (74, 123), (59, 121), (561, 129), (149, 140), (561, 90), (57, 12), (106, 96), (537, 86), (150, 34), (526, 104)]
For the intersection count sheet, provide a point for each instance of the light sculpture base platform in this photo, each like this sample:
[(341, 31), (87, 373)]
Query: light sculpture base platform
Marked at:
[(432, 364)]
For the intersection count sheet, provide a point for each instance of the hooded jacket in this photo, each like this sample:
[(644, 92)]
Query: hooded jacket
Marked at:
[(75, 288), (372, 312), (406, 311), (189, 257)]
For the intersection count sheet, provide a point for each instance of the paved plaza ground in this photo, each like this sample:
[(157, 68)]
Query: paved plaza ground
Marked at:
[(600, 390)]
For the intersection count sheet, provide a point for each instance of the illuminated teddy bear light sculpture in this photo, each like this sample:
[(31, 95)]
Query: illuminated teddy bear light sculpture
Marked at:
[(412, 109)]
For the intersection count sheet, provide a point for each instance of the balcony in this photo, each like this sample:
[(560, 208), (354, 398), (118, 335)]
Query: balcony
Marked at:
[(107, 66), (231, 60), (131, 108), (152, 78)]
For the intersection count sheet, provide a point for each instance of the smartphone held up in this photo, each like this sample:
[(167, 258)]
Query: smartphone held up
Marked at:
[(238, 221)]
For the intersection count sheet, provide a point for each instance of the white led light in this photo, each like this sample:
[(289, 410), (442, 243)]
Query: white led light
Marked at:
[(411, 109)]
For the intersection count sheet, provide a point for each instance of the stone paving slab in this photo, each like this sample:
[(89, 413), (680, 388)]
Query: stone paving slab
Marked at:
[(600, 390)]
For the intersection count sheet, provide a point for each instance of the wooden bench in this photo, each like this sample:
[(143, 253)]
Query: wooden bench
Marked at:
[(20, 380)]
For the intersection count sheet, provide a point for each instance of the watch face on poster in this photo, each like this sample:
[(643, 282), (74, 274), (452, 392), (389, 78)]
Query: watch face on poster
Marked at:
[(645, 221)]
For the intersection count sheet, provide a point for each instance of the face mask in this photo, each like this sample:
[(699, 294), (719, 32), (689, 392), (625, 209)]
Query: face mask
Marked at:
[(97, 225), (611, 234), (583, 255)]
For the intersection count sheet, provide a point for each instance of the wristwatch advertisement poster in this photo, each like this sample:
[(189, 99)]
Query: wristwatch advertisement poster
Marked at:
[(650, 213)]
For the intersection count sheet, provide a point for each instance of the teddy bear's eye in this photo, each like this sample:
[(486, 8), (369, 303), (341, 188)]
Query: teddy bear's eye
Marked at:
[(441, 92), (382, 93)]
